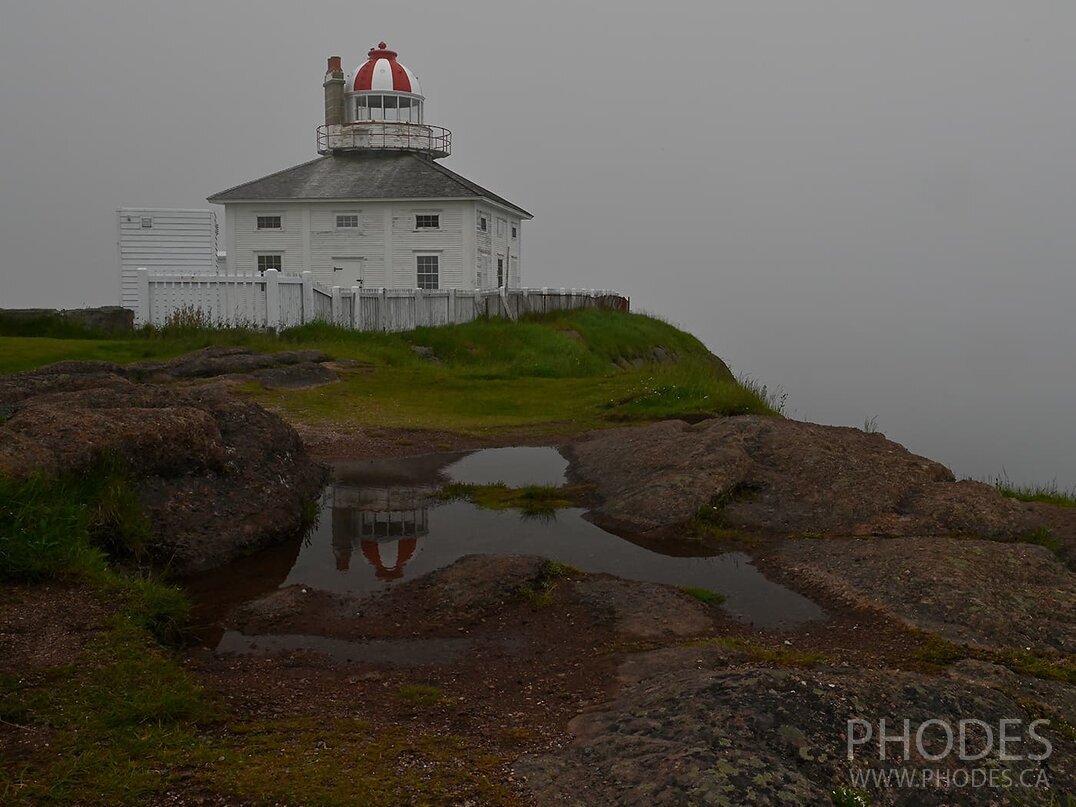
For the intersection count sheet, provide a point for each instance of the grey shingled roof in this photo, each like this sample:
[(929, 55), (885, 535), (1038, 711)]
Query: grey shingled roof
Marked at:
[(371, 175)]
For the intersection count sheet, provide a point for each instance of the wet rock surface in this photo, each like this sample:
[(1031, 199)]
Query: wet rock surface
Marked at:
[(217, 476), (782, 476), (739, 735), (1016, 596)]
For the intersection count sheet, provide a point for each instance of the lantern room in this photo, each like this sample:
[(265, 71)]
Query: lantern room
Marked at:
[(382, 89), (378, 106)]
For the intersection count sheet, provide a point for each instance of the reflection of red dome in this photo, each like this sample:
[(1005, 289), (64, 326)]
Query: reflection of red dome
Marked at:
[(383, 72), (371, 550)]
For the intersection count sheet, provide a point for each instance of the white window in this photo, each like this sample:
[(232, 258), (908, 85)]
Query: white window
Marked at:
[(147, 222), (483, 223), (266, 262), (515, 232), (269, 222), (427, 267), (501, 224), (347, 221), (427, 221), (500, 271)]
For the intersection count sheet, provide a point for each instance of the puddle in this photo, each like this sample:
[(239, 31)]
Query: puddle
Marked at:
[(397, 652), (378, 527), (517, 467)]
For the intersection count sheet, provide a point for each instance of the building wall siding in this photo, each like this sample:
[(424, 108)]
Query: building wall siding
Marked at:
[(387, 241), (178, 240)]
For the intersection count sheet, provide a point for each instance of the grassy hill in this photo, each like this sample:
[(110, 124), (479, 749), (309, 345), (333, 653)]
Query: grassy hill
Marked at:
[(582, 368)]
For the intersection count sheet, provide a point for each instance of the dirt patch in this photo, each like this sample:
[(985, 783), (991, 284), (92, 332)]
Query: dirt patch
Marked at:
[(46, 625), (771, 475), (986, 593)]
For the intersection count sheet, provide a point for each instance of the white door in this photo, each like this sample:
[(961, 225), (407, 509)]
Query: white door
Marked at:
[(346, 272)]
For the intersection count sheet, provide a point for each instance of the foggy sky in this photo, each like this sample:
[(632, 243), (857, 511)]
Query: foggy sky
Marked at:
[(870, 205)]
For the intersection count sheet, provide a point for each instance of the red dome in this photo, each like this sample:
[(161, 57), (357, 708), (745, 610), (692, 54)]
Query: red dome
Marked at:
[(382, 72)]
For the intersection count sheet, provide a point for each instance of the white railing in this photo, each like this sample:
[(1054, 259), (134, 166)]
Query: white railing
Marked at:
[(275, 300)]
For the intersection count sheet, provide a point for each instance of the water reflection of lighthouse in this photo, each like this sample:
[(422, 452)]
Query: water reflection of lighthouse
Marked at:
[(383, 523)]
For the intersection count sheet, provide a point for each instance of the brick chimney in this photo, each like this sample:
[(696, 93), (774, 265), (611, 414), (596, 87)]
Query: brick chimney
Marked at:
[(334, 92)]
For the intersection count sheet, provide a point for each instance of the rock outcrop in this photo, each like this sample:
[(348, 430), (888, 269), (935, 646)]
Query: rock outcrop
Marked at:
[(771, 475), (217, 476), (709, 730)]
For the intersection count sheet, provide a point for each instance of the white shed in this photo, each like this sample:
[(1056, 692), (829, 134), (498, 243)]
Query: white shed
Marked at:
[(163, 240)]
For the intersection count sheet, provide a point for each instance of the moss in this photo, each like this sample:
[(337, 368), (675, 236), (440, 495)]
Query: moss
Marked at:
[(703, 595), (940, 652)]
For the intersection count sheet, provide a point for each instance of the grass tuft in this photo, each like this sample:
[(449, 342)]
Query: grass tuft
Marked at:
[(704, 595), (937, 651), (1045, 494), (531, 500), (420, 695)]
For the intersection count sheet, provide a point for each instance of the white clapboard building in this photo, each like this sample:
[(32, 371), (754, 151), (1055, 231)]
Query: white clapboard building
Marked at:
[(376, 209), (163, 240)]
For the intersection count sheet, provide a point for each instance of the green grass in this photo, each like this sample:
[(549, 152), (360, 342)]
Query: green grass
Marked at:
[(115, 720), (316, 761), (530, 500), (704, 595), (491, 375), (1045, 494), (73, 527)]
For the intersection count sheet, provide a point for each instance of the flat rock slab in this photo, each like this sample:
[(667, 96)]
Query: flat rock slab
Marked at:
[(644, 610), (749, 736), (218, 361), (771, 475), (296, 376), (986, 593)]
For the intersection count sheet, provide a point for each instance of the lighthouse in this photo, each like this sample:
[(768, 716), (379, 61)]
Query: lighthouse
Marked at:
[(376, 208)]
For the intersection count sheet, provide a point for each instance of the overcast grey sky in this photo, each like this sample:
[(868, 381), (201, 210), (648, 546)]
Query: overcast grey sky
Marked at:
[(872, 205)]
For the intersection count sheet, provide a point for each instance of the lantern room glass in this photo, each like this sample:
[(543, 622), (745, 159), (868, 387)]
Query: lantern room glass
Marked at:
[(389, 107)]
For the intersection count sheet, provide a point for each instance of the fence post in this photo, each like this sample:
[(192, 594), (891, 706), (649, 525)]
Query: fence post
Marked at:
[(417, 299), (451, 306), (356, 308), (143, 296), (337, 316), (308, 298), (272, 298), (383, 313)]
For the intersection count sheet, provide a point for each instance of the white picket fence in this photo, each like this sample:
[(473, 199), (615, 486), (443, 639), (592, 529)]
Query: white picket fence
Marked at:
[(275, 300)]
